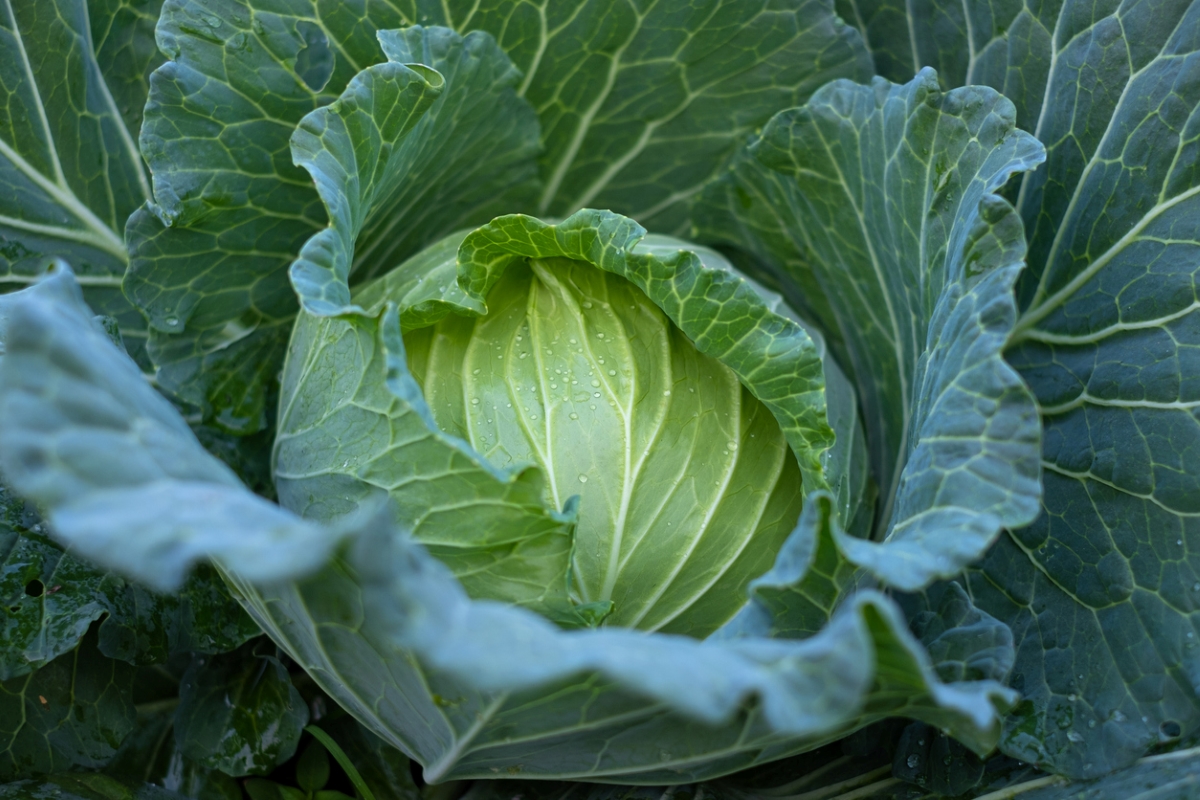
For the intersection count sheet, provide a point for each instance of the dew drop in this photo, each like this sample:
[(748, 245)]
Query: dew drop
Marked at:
[(1118, 716), (1179, 542), (573, 340), (1196, 587), (213, 22), (474, 401), (172, 321), (667, 393), (533, 416), (595, 382), (257, 26), (612, 372), (587, 303), (523, 355), (573, 415), (476, 371), (912, 762), (554, 386), (508, 405), (731, 445), (600, 335), (593, 406), (1075, 736), (1091, 723), (574, 383), (582, 478), (595, 394)]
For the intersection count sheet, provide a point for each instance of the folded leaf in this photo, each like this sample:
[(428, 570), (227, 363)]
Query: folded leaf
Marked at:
[(120, 475), (213, 279), (880, 199), (495, 686)]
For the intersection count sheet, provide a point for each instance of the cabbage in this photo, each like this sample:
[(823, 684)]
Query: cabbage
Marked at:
[(860, 431)]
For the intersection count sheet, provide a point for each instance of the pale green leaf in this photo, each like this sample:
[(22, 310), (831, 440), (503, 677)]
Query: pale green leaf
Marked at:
[(120, 475)]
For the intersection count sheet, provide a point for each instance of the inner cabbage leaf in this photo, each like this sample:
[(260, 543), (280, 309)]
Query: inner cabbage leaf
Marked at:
[(687, 487)]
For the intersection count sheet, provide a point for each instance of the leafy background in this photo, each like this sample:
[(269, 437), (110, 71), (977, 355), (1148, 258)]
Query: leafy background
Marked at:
[(1100, 593)]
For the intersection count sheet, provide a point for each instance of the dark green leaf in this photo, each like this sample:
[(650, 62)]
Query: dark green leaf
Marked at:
[(312, 770), (385, 772), (459, 169), (1008, 46), (964, 642), (84, 787), (50, 598), (239, 712), (935, 762), (73, 712), (150, 755), (1103, 590), (72, 83), (1106, 584)]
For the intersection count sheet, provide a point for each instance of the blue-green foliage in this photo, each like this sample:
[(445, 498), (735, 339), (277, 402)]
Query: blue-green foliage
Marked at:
[(340, 322)]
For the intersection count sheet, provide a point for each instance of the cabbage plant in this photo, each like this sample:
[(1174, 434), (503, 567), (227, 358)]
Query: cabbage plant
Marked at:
[(648, 393)]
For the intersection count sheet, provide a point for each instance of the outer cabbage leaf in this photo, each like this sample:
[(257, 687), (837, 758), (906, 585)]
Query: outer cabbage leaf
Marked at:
[(120, 475), (1106, 583), (472, 688), (641, 105), (72, 83), (209, 256), (880, 200), (644, 93), (51, 597), (1008, 46), (391, 634)]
